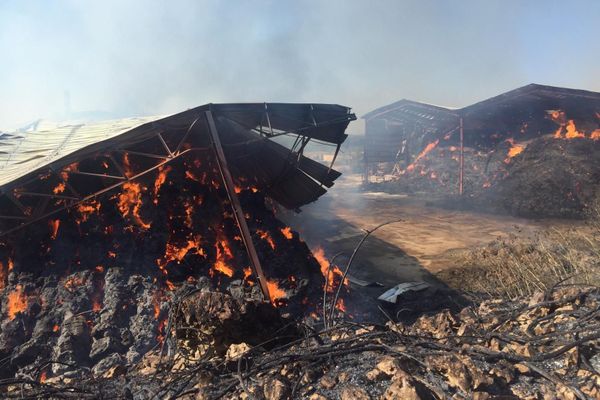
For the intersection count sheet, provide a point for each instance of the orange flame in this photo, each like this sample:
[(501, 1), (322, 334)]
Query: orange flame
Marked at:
[(319, 255), (17, 302), (55, 328), (247, 275), (515, 150), (595, 135), (287, 232), (160, 180), (265, 236), (174, 252), (275, 292), (54, 225), (88, 208), (43, 376), (59, 188), (223, 254), (572, 131), (130, 202), (422, 154)]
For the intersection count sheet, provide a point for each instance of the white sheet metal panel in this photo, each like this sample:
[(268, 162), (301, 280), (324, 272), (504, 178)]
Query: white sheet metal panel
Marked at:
[(23, 152)]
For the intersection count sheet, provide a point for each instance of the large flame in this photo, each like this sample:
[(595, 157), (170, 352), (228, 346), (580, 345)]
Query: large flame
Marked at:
[(334, 271), (161, 178), (422, 154), (17, 302), (224, 254), (275, 292), (130, 202), (572, 131)]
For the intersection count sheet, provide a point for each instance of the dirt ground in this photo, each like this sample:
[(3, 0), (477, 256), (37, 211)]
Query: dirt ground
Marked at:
[(414, 249)]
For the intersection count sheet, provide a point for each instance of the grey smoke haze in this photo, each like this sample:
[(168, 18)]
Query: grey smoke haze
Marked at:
[(150, 57)]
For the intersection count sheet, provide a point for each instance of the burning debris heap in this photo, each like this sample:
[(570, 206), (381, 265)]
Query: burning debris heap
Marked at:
[(531, 151), (101, 238)]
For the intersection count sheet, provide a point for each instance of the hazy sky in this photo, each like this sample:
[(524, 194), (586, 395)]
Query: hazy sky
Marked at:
[(154, 57)]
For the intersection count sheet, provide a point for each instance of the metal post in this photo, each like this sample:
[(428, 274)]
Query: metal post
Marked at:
[(462, 158), (235, 204)]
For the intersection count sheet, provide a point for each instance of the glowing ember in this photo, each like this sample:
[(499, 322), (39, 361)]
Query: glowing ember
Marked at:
[(275, 292), (55, 328), (73, 282), (86, 209), (265, 236), (161, 330), (2, 275), (130, 202), (340, 305), (17, 302), (287, 232), (54, 225), (189, 212), (170, 285), (96, 305), (127, 166), (59, 188), (43, 377)]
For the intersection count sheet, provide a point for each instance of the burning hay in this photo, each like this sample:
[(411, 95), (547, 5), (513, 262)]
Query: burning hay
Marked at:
[(95, 252), (529, 152)]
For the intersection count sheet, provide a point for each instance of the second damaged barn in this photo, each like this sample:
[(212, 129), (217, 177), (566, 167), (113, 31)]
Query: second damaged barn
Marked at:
[(533, 151), (102, 223)]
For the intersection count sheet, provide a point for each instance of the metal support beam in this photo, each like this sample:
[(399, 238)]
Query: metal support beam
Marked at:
[(235, 204)]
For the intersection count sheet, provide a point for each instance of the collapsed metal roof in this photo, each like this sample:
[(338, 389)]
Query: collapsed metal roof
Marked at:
[(526, 96), (32, 164), (388, 128)]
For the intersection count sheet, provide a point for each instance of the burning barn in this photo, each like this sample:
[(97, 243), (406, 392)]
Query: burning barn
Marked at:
[(101, 223), (533, 151)]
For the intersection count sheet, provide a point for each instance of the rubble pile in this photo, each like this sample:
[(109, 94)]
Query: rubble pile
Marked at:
[(544, 346), (554, 178)]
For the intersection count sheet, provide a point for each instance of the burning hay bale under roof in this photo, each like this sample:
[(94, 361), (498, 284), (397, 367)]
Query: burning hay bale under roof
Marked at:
[(529, 152), (101, 238)]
